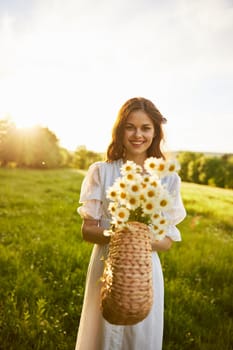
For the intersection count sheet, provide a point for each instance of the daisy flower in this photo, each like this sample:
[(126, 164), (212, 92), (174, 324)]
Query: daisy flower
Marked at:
[(129, 167), (135, 188), (160, 221), (154, 181), (161, 167), (160, 234), (122, 196), (155, 216), (112, 207), (120, 183), (148, 206), (112, 193), (145, 181), (133, 202), (164, 201), (158, 231), (122, 214), (130, 177), (150, 165), (172, 166), (150, 192)]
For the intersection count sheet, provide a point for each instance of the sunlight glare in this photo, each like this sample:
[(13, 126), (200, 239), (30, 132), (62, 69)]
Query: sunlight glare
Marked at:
[(24, 122)]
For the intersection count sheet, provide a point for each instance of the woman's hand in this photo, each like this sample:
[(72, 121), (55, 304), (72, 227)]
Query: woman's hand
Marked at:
[(163, 245)]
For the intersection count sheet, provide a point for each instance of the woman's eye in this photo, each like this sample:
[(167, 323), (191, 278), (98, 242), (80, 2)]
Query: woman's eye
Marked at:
[(129, 127), (143, 128)]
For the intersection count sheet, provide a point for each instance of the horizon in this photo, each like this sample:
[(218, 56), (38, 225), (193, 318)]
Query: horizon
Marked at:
[(165, 149)]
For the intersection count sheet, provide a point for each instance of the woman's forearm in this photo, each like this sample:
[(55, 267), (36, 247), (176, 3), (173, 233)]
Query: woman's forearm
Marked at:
[(93, 233)]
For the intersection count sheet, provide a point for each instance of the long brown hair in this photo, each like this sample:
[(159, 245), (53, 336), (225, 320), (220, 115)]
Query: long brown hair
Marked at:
[(115, 149)]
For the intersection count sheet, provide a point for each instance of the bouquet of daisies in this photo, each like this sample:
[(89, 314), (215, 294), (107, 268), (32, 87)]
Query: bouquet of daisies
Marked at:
[(140, 195)]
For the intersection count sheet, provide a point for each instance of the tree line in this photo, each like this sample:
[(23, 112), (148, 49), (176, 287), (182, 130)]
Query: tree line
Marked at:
[(207, 170), (38, 147)]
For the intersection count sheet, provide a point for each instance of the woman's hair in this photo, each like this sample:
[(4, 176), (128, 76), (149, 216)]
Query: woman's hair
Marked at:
[(115, 149)]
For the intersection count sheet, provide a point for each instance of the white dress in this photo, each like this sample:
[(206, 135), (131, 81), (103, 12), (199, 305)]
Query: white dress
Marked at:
[(94, 332)]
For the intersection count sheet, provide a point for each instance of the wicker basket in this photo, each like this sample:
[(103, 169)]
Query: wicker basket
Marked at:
[(126, 293)]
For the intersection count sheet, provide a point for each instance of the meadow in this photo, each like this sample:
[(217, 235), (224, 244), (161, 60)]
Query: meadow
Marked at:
[(43, 263)]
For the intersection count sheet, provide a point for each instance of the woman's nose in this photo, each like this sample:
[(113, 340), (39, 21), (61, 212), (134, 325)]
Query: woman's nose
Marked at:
[(138, 132)]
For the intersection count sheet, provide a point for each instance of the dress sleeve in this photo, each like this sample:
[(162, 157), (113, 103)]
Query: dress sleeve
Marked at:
[(177, 213), (91, 194)]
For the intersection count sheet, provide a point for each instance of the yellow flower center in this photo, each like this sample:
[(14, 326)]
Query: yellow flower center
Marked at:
[(163, 203), (150, 193), (155, 216), (152, 165), (135, 188), (132, 201), (161, 167)]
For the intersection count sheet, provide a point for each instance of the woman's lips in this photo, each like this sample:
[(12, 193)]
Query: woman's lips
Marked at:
[(136, 143)]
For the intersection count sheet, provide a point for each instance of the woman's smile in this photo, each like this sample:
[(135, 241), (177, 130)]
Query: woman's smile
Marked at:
[(137, 143)]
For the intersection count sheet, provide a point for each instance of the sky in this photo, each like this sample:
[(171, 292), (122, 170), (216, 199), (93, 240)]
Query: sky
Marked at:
[(70, 65)]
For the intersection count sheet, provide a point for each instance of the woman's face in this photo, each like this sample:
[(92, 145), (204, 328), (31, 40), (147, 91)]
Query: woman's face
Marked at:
[(138, 134)]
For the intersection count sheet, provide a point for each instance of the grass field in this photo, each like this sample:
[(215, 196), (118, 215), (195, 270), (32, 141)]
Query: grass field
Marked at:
[(43, 263)]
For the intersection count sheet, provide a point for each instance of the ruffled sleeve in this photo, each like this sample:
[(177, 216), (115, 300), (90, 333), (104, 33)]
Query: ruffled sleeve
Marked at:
[(177, 213), (91, 194)]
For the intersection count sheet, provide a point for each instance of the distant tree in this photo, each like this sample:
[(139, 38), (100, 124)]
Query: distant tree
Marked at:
[(228, 159), (8, 141), (66, 158), (36, 147), (83, 158), (189, 162), (193, 169), (39, 148), (212, 171), (207, 169), (79, 157)]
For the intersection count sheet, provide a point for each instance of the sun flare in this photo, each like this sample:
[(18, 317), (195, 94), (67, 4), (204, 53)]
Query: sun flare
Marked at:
[(24, 122)]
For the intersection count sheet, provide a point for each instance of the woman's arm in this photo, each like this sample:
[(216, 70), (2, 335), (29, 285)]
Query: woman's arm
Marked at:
[(160, 246), (93, 233)]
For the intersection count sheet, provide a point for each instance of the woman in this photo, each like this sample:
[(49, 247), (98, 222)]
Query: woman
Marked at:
[(137, 135)]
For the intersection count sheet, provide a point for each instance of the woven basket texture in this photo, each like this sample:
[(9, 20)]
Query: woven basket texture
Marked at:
[(126, 293)]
